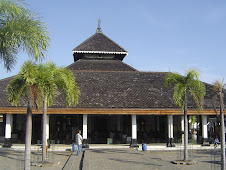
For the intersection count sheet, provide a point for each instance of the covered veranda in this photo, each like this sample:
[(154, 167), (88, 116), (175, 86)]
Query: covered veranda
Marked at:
[(108, 126)]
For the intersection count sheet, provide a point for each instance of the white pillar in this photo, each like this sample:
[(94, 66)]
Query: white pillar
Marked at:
[(84, 135), (47, 127), (204, 127), (189, 120), (134, 127), (8, 126), (182, 129), (182, 123), (170, 126)]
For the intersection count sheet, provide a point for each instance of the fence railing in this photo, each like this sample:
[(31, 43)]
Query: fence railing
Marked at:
[(36, 158)]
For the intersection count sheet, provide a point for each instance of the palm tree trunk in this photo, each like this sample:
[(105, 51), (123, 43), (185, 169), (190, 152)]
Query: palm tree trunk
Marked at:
[(185, 129), (44, 140), (28, 136), (222, 132)]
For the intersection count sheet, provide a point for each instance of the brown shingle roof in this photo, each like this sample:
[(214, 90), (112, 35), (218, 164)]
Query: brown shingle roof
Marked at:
[(117, 89), (126, 90), (100, 65), (99, 43)]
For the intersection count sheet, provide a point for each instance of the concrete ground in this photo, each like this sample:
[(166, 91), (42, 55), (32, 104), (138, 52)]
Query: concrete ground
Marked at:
[(14, 160), (114, 157), (120, 159)]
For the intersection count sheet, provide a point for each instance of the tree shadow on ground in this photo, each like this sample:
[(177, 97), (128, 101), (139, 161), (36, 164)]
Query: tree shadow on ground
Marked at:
[(205, 154), (110, 151), (213, 162), (134, 162), (12, 155)]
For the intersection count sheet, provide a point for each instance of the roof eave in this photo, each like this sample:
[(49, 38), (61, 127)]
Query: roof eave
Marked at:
[(100, 52)]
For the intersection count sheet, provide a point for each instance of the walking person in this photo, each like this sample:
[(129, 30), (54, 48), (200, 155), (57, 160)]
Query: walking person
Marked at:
[(79, 142)]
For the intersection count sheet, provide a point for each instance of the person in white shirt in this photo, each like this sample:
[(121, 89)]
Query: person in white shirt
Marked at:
[(79, 142)]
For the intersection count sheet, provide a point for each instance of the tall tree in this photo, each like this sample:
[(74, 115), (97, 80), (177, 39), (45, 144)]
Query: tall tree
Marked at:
[(218, 91), (183, 87), (24, 86), (50, 80), (40, 84), (20, 30)]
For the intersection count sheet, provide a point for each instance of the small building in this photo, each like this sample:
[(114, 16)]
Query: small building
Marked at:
[(118, 104)]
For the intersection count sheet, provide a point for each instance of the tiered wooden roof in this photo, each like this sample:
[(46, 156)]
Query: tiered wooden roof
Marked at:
[(109, 86)]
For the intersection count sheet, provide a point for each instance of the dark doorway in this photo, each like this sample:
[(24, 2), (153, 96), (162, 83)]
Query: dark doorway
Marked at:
[(63, 128), (99, 132), (36, 129), (151, 129), (109, 129)]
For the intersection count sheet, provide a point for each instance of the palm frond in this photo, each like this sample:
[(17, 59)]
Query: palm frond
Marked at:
[(21, 29), (173, 78), (191, 75), (178, 95), (24, 85), (28, 71), (197, 90), (51, 79), (66, 82), (183, 84), (16, 89), (213, 102), (217, 91)]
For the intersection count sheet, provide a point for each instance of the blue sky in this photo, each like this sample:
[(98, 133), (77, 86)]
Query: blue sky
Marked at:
[(159, 35)]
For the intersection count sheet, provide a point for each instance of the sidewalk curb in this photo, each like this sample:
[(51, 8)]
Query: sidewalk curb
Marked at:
[(150, 147), (86, 158), (66, 165)]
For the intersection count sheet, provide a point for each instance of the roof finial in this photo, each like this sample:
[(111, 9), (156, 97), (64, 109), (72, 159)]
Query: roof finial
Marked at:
[(99, 28)]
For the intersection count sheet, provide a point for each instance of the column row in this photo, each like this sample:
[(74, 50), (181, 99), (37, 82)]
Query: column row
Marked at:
[(170, 125)]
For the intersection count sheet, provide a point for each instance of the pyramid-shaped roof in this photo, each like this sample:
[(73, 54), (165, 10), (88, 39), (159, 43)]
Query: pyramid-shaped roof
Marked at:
[(99, 43)]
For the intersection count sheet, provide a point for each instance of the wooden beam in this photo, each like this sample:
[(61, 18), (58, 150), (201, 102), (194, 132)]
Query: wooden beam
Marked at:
[(123, 111)]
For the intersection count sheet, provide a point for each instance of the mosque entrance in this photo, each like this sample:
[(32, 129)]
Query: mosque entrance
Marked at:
[(151, 128), (108, 129), (63, 128)]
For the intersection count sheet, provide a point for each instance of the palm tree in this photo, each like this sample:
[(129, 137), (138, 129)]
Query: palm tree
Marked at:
[(24, 86), (218, 90), (184, 86), (50, 80), (40, 84), (20, 30)]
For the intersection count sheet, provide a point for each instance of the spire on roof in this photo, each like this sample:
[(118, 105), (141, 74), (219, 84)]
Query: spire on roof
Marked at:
[(99, 28)]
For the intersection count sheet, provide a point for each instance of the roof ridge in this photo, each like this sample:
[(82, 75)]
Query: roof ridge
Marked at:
[(83, 42), (71, 64), (126, 65), (114, 42), (8, 78)]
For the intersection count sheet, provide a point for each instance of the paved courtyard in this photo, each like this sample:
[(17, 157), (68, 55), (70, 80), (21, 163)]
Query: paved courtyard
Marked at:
[(132, 159), (14, 160), (97, 159)]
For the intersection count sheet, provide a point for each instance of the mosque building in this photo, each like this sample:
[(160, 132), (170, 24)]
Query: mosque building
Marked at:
[(118, 104)]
